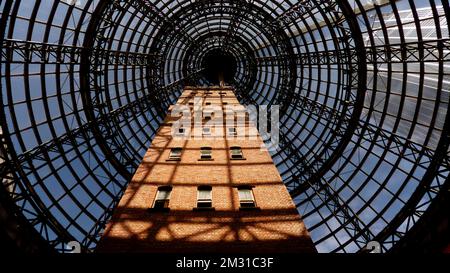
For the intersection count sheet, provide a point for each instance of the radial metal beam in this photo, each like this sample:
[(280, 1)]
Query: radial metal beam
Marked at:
[(299, 10), (395, 143), (311, 58), (290, 15), (150, 9), (13, 190), (330, 198), (368, 132), (12, 222), (306, 171), (390, 53), (235, 23), (15, 51), (409, 52)]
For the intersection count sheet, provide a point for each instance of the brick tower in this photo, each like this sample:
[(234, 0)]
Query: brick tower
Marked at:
[(207, 188)]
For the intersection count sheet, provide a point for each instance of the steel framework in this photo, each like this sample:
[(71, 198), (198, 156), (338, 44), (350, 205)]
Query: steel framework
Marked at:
[(363, 87)]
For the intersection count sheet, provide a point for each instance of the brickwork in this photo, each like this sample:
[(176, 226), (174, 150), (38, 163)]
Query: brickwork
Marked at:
[(273, 226)]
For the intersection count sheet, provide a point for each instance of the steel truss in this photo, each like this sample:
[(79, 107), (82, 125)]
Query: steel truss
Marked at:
[(38, 53)]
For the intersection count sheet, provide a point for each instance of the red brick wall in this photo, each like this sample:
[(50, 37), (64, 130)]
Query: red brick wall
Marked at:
[(275, 227)]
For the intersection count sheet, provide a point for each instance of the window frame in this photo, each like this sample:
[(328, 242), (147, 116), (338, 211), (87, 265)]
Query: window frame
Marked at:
[(203, 151), (245, 204), (164, 201), (234, 133), (236, 156), (204, 203), (209, 133), (183, 133), (172, 155)]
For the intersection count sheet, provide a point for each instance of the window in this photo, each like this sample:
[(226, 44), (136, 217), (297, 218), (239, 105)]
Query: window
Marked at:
[(236, 153), (204, 197), (232, 131), (162, 198), (175, 116), (208, 103), (246, 198), (181, 131), (206, 153), (206, 131), (191, 104), (175, 153)]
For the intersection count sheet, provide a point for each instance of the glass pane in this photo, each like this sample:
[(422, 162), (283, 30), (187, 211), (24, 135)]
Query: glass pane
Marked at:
[(160, 204), (245, 194), (206, 151), (204, 195), (236, 151), (163, 195), (175, 152)]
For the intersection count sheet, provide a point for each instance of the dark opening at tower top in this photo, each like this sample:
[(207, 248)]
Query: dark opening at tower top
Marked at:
[(219, 66)]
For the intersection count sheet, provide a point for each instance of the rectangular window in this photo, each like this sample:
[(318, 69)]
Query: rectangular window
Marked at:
[(204, 197), (175, 153), (232, 131), (236, 153), (246, 198), (206, 131), (181, 131), (206, 153), (162, 198)]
